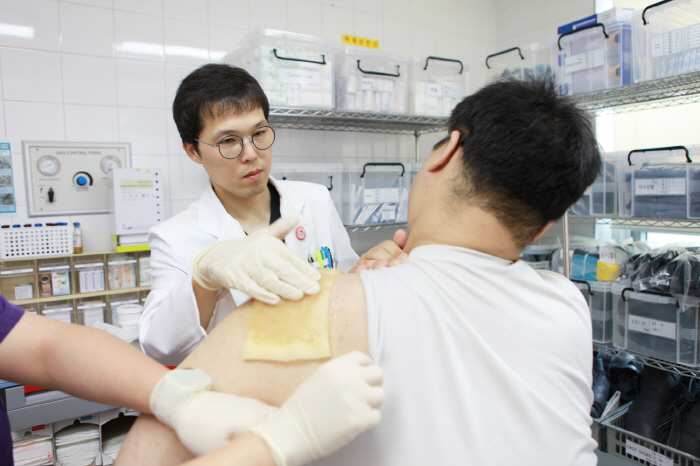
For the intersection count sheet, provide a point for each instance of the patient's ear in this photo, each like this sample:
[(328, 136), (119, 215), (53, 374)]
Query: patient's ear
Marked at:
[(443, 154)]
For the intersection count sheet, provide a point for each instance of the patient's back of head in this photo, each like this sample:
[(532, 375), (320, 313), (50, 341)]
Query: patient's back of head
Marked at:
[(529, 153)]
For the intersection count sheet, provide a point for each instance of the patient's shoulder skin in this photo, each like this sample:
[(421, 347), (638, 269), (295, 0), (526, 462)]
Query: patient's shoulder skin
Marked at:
[(221, 356)]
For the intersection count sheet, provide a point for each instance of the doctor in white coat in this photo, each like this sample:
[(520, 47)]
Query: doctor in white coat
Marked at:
[(226, 247)]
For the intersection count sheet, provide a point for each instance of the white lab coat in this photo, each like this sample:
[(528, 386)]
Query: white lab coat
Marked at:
[(169, 327)]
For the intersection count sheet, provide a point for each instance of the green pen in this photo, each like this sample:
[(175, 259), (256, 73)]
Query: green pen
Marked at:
[(319, 259)]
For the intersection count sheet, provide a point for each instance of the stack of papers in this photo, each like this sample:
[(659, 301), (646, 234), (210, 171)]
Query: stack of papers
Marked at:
[(77, 445), (33, 451)]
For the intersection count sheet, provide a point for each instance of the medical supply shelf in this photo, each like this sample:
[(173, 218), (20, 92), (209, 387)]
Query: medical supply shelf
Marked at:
[(339, 120), (649, 361), (664, 92)]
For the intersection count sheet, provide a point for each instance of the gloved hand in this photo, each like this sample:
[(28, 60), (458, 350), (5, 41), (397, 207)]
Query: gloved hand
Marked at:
[(203, 420), (332, 407), (259, 265)]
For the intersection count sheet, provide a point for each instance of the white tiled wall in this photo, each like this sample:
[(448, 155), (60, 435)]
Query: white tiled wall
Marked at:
[(107, 70)]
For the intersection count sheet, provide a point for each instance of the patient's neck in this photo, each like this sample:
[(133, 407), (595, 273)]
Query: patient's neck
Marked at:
[(470, 227)]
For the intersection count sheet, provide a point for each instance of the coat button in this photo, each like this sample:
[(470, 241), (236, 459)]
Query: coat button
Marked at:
[(301, 233)]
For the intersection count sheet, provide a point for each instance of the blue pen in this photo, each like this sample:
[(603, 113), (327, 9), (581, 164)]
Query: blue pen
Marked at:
[(327, 255)]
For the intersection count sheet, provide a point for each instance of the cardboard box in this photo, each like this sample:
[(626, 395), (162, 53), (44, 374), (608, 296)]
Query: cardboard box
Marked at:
[(33, 443)]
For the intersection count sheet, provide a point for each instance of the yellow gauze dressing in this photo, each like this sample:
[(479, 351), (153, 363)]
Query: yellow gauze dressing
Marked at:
[(291, 330)]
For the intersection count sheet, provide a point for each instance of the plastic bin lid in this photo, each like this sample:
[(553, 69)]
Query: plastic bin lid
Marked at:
[(603, 287), (448, 61), (651, 298), (618, 286), (366, 52), (540, 248)]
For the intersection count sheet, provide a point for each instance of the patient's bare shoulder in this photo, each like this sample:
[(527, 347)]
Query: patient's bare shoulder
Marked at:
[(221, 356)]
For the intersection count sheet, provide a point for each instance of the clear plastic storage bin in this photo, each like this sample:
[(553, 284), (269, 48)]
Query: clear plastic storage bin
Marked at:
[(530, 60), (435, 85), (619, 310), (90, 311), (89, 274), (371, 81), (595, 56), (116, 300), (374, 193), (654, 182), (326, 174), (54, 277), (294, 70), (144, 262), (694, 183), (600, 199), (599, 297), (666, 39), (655, 326), (121, 271), (32, 308), (539, 256), (59, 310), (17, 280)]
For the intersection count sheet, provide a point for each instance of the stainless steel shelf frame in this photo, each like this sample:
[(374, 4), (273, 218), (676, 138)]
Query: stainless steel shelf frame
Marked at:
[(338, 120), (374, 227), (664, 92), (649, 361), (691, 226)]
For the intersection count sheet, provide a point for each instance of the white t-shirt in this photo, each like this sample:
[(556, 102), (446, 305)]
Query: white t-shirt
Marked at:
[(486, 362)]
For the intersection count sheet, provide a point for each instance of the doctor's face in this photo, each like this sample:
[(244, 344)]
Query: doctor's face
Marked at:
[(242, 177)]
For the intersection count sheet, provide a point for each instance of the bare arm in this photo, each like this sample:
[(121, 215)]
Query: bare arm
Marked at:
[(206, 302), (82, 361)]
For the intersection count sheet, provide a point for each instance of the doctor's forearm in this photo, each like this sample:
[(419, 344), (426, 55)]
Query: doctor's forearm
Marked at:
[(206, 302)]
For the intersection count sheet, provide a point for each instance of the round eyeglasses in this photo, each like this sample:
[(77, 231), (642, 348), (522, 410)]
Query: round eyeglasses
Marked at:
[(231, 146)]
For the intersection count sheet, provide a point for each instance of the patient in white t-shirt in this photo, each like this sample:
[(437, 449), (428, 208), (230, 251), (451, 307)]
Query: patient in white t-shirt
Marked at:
[(486, 360)]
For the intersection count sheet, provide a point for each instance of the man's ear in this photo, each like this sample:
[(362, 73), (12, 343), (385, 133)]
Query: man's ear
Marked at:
[(541, 231), (192, 152), (444, 153)]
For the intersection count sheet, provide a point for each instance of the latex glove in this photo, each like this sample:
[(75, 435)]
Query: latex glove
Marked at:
[(259, 265), (386, 254), (203, 420), (332, 407)]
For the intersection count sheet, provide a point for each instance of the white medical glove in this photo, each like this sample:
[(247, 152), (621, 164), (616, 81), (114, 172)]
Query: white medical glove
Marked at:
[(259, 265), (332, 407), (203, 420)]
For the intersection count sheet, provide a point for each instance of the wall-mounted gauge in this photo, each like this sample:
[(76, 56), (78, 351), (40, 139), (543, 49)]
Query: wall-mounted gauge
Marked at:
[(110, 162), (48, 165)]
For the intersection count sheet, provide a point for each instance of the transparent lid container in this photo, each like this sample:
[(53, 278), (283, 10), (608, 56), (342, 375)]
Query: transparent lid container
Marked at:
[(368, 80), (121, 271), (325, 174), (374, 193), (436, 85), (529, 60), (89, 273), (294, 70), (18, 280), (665, 37), (90, 311), (58, 310)]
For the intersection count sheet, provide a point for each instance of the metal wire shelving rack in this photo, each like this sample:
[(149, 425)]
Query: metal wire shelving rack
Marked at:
[(649, 361)]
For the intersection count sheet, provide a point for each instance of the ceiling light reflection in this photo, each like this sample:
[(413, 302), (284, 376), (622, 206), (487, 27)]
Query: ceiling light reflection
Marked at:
[(24, 32)]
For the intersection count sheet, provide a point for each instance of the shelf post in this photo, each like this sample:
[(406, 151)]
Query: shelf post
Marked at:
[(416, 134), (565, 248)]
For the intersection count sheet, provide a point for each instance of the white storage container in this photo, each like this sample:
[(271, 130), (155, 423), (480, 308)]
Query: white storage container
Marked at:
[(435, 85), (294, 70), (374, 193), (601, 197), (371, 81), (326, 174), (595, 56), (90, 311), (117, 300), (530, 60), (59, 310), (655, 326), (655, 183), (666, 39)]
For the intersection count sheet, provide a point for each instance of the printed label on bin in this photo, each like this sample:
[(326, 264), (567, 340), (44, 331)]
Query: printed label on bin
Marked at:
[(450, 91), (300, 76), (381, 196), (584, 61), (659, 187), (16, 271), (377, 85), (388, 213), (612, 255), (433, 90), (679, 40), (643, 453), (658, 328)]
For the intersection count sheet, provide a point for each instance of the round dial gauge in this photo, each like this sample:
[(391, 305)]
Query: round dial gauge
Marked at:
[(48, 165), (110, 162)]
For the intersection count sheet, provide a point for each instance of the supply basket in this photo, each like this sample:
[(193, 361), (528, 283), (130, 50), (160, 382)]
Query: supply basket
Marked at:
[(22, 242), (622, 443)]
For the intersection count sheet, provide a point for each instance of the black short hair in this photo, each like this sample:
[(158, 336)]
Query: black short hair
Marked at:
[(528, 152), (213, 90)]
